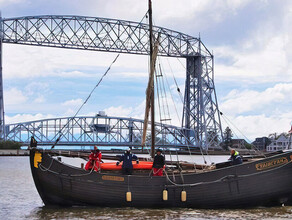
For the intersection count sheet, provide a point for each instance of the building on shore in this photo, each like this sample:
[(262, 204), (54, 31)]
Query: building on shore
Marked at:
[(261, 143), (238, 143), (280, 143)]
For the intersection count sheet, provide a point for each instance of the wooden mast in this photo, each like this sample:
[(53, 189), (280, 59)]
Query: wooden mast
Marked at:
[(150, 88)]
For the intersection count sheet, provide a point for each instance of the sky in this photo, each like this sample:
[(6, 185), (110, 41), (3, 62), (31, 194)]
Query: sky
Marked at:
[(251, 42)]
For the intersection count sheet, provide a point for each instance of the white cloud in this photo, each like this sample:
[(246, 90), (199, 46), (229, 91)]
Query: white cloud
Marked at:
[(26, 117), (75, 74), (8, 2), (263, 55), (237, 102), (14, 96), (266, 64), (33, 62), (196, 8), (39, 99), (37, 91), (252, 126), (118, 111), (274, 103), (30, 62), (33, 92), (69, 112), (73, 103)]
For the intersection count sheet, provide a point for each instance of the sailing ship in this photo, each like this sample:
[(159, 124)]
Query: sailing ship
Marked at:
[(256, 182)]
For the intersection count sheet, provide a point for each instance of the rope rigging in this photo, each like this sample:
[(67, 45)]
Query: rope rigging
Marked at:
[(48, 169), (172, 98), (229, 122), (162, 84), (108, 69), (162, 99), (189, 111), (185, 107)]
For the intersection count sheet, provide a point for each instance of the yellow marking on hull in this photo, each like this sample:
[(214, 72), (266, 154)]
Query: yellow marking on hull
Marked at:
[(272, 163), (113, 178), (37, 159)]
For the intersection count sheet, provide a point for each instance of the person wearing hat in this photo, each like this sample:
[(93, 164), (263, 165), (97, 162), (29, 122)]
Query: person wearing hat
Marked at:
[(127, 158), (235, 158), (158, 164), (94, 160)]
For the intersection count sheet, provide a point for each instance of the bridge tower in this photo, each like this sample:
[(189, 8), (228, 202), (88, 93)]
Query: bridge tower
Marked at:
[(201, 119)]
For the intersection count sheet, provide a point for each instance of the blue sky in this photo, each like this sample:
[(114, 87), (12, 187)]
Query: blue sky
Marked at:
[(251, 41)]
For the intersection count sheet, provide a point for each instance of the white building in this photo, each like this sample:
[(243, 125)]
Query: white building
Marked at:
[(281, 143)]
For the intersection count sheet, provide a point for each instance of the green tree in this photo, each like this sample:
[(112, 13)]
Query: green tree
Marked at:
[(227, 138), (9, 145), (248, 146)]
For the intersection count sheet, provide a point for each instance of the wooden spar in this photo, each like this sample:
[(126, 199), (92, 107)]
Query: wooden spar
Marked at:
[(149, 92), (149, 89), (150, 97), (152, 85)]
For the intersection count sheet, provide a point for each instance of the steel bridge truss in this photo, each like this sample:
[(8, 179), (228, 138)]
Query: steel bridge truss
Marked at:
[(201, 120), (100, 34), (88, 131)]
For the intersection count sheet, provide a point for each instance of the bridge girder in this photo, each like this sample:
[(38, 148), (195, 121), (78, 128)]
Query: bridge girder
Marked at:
[(100, 34)]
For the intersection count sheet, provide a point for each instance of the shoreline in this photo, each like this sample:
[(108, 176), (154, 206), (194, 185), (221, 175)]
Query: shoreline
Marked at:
[(14, 152), (22, 152)]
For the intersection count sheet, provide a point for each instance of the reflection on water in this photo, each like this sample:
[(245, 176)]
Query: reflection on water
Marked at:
[(20, 200), (180, 213)]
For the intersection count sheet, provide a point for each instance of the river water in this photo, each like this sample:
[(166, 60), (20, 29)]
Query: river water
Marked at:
[(19, 200)]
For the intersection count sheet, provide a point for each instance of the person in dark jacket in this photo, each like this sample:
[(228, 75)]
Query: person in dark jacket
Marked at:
[(158, 163), (235, 158), (127, 157), (33, 142)]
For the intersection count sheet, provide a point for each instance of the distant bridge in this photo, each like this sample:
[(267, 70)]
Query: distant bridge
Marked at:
[(201, 119), (99, 130)]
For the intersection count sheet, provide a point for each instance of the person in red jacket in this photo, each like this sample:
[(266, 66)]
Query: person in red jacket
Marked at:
[(94, 160)]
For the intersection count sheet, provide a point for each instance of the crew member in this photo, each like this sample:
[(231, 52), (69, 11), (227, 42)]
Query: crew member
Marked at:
[(33, 142), (235, 158), (158, 163), (94, 160), (127, 157)]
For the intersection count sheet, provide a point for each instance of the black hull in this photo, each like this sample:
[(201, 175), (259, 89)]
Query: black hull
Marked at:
[(266, 182)]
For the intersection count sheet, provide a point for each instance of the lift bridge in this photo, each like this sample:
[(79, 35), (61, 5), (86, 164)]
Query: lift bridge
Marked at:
[(201, 126)]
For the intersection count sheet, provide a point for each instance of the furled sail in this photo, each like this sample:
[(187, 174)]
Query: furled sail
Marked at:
[(150, 90)]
